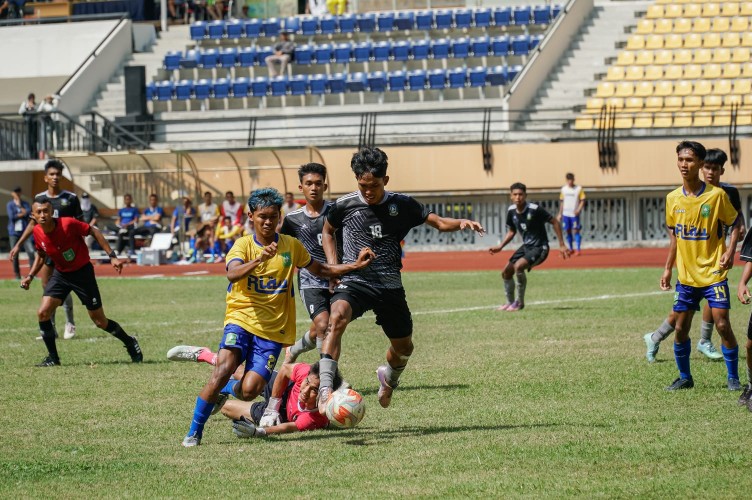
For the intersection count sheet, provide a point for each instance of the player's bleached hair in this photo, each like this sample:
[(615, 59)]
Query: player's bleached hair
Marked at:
[(369, 161), (311, 168), (56, 164), (315, 369), (697, 148), (716, 157), (263, 198), (518, 185)]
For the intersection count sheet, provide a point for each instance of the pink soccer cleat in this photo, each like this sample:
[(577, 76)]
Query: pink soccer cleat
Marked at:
[(515, 306), (385, 390)]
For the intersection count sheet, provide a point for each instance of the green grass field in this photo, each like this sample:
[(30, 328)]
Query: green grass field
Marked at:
[(554, 401)]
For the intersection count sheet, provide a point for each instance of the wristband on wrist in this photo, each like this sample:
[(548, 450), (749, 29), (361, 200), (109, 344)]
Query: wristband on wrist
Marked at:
[(112, 255), (274, 404), (30, 276)]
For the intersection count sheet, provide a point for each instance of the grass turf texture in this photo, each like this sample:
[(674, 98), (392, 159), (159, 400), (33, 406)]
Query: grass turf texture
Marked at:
[(556, 400)]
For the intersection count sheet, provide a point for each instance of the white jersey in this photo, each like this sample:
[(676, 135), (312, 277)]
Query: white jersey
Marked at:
[(570, 199)]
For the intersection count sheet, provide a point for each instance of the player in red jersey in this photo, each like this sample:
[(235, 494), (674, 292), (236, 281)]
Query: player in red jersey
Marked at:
[(62, 240)]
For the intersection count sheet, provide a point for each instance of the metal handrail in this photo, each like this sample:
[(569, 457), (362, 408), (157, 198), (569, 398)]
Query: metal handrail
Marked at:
[(60, 19), (143, 144)]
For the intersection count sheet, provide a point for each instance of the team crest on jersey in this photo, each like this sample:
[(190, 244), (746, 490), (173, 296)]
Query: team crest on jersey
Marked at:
[(529, 216), (272, 361), (393, 211), (69, 255), (64, 202), (705, 211), (286, 259), (231, 339)]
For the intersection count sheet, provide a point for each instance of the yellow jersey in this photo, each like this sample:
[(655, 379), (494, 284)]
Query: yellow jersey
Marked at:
[(697, 223), (263, 302)]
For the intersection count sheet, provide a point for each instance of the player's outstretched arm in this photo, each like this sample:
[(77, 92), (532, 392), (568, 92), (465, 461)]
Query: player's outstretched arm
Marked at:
[(237, 270), (25, 236), (665, 282), (365, 258), (329, 242), (565, 251), (447, 224), (742, 291), (505, 242), (99, 237), (727, 259), (270, 418), (35, 267)]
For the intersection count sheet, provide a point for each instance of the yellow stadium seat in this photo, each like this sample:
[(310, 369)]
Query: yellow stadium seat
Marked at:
[(732, 70), (645, 89), (701, 25), (653, 103), (731, 40), (634, 73), (722, 87), (722, 119), (703, 119), (654, 42), (644, 27), (691, 103), (673, 11), (702, 56), (625, 58), (635, 42), (624, 89), (730, 9), (742, 87), (615, 74), (663, 89), (663, 1), (653, 72), (654, 12), (662, 120), (643, 120), (583, 123), (747, 100), (731, 99), (747, 70), (682, 56), (672, 41), (615, 102), (663, 57), (622, 121), (633, 103), (711, 40), (605, 89), (711, 10), (692, 10), (692, 71), (721, 55), (711, 71), (744, 118), (682, 119), (740, 54), (683, 88), (739, 24), (673, 103), (712, 102), (594, 104), (644, 57), (693, 41), (745, 9), (703, 87), (663, 26), (747, 39), (673, 72)]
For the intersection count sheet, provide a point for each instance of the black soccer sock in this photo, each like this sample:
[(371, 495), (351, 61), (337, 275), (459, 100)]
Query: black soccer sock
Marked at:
[(114, 329), (48, 335)]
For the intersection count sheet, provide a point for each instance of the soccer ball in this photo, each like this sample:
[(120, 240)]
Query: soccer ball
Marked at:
[(345, 408)]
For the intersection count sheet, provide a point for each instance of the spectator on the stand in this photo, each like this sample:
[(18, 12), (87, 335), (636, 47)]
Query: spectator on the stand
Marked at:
[(91, 216), (232, 209), (126, 223), (4, 9), (181, 220), (226, 235), (151, 218), (316, 8), (284, 50), (336, 7), (19, 212), (28, 110), (289, 205), (46, 110), (215, 8), (208, 213)]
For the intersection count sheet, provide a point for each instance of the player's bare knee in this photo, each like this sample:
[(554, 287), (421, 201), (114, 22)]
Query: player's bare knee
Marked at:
[(44, 314), (100, 322), (249, 391)]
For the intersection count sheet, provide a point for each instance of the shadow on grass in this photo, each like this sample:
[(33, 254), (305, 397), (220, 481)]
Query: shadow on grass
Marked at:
[(118, 362), (408, 388)]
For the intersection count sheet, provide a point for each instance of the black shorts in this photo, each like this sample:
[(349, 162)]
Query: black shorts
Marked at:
[(749, 328), (389, 305), (533, 255), (82, 282), (316, 300), (258, 408)]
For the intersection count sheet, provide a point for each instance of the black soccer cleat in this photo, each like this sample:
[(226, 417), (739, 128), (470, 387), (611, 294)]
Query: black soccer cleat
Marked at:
[(681, 383), (48, 361), (134, 350), (746, 393)]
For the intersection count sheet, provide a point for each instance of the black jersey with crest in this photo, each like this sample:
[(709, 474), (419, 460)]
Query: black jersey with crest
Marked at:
[(308, 230), (531, 223), (65, 204), (379, 227)]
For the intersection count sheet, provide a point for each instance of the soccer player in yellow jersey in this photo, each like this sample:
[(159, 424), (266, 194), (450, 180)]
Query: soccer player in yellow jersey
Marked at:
[(260, 316), (695, 214)]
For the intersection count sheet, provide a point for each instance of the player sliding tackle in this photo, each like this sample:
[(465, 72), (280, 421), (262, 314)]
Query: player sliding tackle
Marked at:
[(260, 314)]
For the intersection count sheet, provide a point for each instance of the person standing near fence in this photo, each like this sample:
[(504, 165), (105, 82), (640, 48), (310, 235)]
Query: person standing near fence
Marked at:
[(19, 212)]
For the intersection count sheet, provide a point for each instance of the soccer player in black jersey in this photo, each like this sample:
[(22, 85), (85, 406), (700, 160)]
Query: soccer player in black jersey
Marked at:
[(529, 219), (375, 218), (64, 204)]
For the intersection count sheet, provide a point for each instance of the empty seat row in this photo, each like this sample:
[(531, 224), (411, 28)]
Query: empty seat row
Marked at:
[(668, 88), (371, 22), (696, 25), (344, 53), (378, 81), (689, 41), (683, 56), (678, 71), (709, 9), (669, 103), (666, 120)]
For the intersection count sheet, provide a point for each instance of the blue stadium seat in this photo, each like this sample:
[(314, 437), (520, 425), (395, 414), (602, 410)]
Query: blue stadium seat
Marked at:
[(328, 25), (292, 24), (463, 18), (555, 10), (520, 45), (477, 76), (416, 79), (172, 60), (303, 55), (385, 21), (401, 50), (502, 16), (336, 83), (457, 78), (424, 20), (541, 14), (234, 29), (342, 53), (262, 53), (298, 85), (240, 87), (279, 86), (522, 15), (482, 18), (356, 82), (270, 27), (208, 58), (440, 48), (216, 29), (397, 81), (202, 89), (309, 25), (381, 51), (436, 79), (259, 86), (366, 22), (252, 28), (323, 53), (362, 52), (513, 71), (347, 23), (497, 75), (247, 56), (481, 46), (220, 88), (183, 90), (534, 41), (151, 91), (164, 90), (405, 20), (228, 57), (189, 60), (443, 19), (500, 45), (377, 81), (198, 30), (317, 84), (421, 49), (460, 48)]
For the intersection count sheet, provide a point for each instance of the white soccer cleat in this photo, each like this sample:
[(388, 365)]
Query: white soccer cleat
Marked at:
[(70, 331), (191, 441), (325, 394), (385, 390), (185, 353), (709, 350)]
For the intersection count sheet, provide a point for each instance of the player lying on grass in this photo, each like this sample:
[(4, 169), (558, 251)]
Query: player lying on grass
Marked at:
[(712, 170), (742, 293), (289, 403)]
